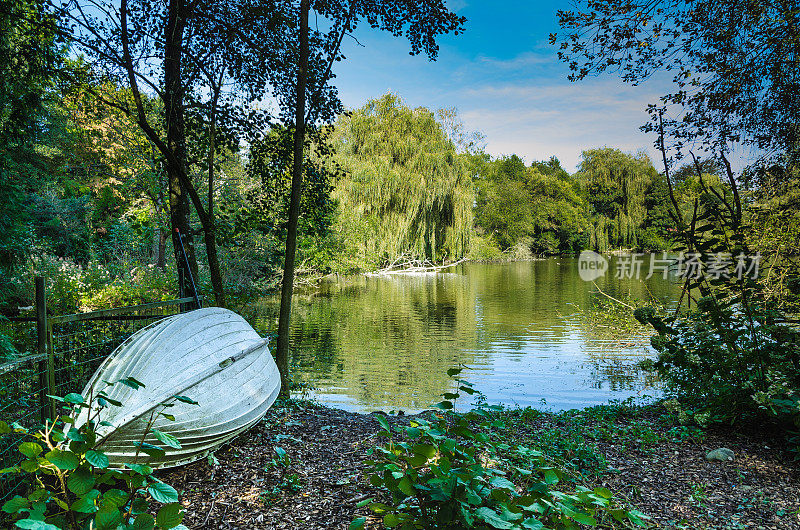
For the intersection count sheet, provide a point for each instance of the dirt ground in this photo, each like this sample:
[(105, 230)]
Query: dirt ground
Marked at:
[(322, 478)]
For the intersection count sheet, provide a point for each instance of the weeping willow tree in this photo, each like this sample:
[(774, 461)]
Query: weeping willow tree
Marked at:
[(405, 189), (615, 185)]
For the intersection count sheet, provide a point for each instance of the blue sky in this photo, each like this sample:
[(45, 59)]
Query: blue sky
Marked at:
[(506, 81)]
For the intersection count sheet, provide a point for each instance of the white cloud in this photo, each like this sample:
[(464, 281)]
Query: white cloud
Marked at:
[(560, 119)]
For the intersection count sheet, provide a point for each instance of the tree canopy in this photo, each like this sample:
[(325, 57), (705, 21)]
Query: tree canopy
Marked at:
[(405, 180), (733, 64)]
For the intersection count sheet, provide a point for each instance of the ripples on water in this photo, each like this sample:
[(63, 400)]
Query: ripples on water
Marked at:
[(524, 329)]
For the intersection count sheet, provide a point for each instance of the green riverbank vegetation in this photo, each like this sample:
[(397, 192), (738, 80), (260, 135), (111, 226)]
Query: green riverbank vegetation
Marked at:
[(386, 181), (137, 160)]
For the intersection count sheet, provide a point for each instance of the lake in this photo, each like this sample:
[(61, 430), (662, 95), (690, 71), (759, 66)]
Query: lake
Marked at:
[(530, 333)]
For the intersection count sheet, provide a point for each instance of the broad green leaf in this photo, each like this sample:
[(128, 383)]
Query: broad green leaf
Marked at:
[(163, 493), (532, 523), (491, 518), (443, 405), (406, 487), (151, 450), (86, 503), (380, 418), (167, 439), (64, 460), (30, 449), (139, 505), (142, 469), (426, 450), (97, 459), (31, 466), (604, 492), (80, 482), (170, 515), (115, 497), (550, 476), (73, 398), (132, 382), (75, 435), (454, 371), (583, 518), (144, 521), (358, 523), (4, 428), (390, 520), (16, 504), (638, 518), (34, 524), (184, 399), (107, 518), (503, 483)]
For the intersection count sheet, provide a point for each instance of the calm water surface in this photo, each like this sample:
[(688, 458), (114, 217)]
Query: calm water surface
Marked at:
[(530, 333)]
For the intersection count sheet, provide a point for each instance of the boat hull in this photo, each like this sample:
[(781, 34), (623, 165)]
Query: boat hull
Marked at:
[(211, 356)]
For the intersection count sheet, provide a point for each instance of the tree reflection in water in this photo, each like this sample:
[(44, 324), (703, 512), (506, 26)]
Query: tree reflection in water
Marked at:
[(529, 331)]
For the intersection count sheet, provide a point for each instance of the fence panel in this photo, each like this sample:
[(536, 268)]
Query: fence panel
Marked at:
[(75, 347)]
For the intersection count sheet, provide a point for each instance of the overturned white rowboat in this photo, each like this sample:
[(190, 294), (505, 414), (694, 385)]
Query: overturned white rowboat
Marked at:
[(211, 356)]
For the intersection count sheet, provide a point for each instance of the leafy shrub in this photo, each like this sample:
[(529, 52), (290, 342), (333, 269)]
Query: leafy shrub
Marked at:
[(447, 473), (73, 486), (482, 248), (728, 364), (7, 349), (72, 287), (735, 355)]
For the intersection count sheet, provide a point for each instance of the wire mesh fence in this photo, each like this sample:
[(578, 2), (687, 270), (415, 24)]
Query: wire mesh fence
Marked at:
[(59, 361)]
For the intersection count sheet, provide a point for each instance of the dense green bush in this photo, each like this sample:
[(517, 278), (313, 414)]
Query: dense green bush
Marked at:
[(72, 287), (735, 355), (72, 486), (448, 473), (729, 362)]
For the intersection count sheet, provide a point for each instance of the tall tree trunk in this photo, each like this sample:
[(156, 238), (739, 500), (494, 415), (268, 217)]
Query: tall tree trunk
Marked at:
[(161, 253), (210, 224), (282, 354), (176, 143)]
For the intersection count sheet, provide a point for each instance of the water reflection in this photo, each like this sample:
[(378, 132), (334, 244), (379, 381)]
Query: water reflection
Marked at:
[(524, 329)]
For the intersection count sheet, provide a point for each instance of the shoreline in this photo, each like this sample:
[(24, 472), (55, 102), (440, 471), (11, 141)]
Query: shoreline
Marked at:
[(651, 463)]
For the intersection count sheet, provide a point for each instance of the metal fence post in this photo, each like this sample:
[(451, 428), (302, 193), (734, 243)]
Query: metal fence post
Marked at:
[(51, 368), (41, 346)]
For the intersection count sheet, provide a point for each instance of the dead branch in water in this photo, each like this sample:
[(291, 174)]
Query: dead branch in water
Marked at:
[(406, 265)]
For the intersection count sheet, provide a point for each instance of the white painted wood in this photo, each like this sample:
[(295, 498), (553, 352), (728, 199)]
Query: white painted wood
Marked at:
[(210, 355)]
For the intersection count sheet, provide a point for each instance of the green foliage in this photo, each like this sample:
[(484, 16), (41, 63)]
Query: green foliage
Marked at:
[(736, 355), (448, 473), (730, 363), (405, 186), (722, 92), (7, 349), (259, 217), (615, 186), (96, 285), (73, 486), (533, 209), (29, 62)]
